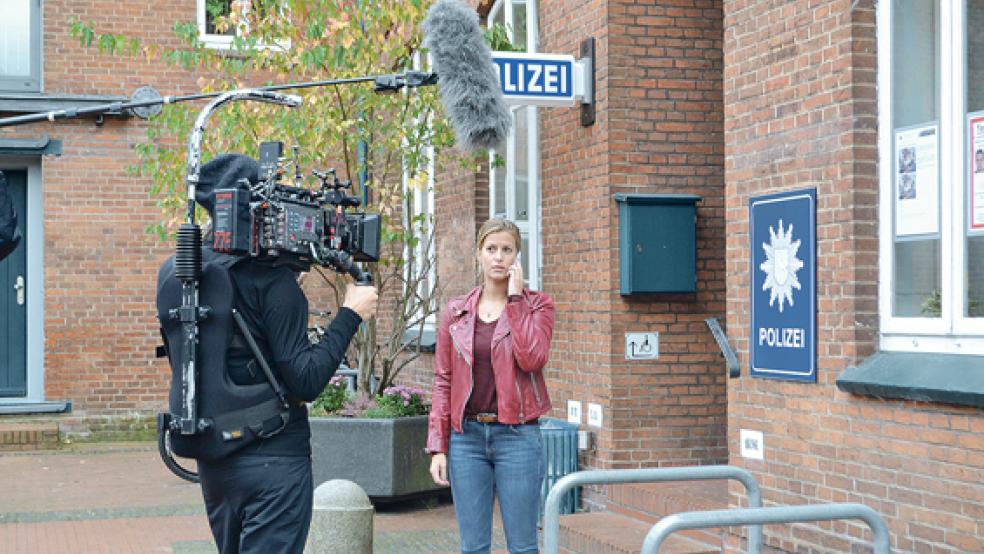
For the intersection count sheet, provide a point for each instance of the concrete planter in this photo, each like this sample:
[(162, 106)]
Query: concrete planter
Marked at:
[(383, 456)]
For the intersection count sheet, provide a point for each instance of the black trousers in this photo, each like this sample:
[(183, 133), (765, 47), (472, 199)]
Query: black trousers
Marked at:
[(258, 504)]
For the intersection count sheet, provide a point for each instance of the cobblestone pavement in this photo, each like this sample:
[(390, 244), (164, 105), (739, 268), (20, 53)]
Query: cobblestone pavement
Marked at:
[(119, 498)]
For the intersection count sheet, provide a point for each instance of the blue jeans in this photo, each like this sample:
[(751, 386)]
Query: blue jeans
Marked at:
[(490, 459)]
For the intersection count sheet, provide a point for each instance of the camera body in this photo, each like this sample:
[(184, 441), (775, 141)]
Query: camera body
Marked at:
[(291, 223)]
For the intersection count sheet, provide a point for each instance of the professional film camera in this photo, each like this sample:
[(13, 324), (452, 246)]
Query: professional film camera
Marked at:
[(297, 225)]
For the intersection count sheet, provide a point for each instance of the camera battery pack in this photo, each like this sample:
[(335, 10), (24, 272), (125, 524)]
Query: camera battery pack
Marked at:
[(232, 222)]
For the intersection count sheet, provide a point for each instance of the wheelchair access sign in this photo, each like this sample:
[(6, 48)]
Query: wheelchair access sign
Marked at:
[(783, 280)]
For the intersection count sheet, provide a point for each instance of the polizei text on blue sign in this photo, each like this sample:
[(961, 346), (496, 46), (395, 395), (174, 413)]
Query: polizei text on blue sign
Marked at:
[(540, 79)]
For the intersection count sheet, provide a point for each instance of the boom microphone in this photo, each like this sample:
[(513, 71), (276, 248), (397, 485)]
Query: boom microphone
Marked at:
[(467, 81)]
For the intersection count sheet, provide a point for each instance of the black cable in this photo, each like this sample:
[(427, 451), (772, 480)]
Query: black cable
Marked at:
[(164, 447)]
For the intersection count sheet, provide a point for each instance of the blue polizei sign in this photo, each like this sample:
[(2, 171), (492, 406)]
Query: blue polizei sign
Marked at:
[(783, 278), (537, 79)]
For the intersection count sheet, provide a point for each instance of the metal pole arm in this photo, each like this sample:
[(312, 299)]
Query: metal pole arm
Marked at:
[(760, 516), (551, 511), (383, 83)]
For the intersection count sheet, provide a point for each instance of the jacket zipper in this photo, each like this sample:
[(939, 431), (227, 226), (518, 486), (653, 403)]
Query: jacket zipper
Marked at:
[(536, 391), (519, 394)]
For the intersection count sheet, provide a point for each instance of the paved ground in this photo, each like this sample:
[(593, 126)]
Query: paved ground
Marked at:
[(119, 498)]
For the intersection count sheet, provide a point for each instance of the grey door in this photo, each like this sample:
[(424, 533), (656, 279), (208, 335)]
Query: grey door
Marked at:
[(13, 299)]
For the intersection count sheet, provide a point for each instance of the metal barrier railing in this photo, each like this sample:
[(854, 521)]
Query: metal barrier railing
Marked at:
[(761, 516), (551, 513)]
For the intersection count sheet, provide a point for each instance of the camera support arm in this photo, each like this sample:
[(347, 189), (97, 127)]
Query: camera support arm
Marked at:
[(188, 259), (198, 131)]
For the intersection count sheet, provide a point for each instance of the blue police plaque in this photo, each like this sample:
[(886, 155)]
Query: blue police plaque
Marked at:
[(784, 314), (536, 79)]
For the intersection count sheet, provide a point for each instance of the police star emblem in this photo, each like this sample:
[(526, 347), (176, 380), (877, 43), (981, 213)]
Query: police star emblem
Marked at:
[(781, 265)]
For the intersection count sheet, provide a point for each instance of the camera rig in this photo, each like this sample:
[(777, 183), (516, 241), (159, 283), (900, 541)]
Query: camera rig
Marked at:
[(269, 219), (295, 224)]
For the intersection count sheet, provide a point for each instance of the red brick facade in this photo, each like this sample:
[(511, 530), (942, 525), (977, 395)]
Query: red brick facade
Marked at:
[(800, 111)]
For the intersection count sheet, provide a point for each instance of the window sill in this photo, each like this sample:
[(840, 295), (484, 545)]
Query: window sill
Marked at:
[(42, 146), (428, 340), (943, 378), (27, 407)]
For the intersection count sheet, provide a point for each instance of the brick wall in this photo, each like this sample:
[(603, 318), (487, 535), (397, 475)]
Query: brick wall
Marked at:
[(800, 106), (667, 137), (576, 217), (658, 130)]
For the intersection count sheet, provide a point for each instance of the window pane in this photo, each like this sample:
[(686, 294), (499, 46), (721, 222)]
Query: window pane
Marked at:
[(15, 40), (974, 270), (915, 102), (975, 51), (499, 181), (215, 9), (521, 118), (915, 62), (519, 25), (975, 277), (499, 16), (917, 278)]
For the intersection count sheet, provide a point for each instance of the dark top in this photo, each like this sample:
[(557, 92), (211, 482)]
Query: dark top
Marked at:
[(482, 399), (276, 313)]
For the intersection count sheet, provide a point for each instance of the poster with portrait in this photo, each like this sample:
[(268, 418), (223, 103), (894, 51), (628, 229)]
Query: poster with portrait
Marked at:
[(976, 190), (917, 183)]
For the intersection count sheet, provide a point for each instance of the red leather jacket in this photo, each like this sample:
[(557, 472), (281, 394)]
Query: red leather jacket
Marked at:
[(520, 348)]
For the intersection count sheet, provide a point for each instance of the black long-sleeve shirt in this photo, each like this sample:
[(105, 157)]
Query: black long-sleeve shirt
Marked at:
[(276, 313)]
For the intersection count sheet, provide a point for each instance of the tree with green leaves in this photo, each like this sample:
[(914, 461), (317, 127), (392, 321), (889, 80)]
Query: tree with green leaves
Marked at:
[(388, 139)]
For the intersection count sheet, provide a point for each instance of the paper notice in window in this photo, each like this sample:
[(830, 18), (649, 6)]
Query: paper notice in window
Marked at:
[(917, 184), (976, 196)]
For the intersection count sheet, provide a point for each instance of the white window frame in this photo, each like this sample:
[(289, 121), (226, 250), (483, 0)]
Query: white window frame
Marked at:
[(224, 42), (419, 208), (532, 227), (211, 40), (430, 322), (31, 82), (952, 332)]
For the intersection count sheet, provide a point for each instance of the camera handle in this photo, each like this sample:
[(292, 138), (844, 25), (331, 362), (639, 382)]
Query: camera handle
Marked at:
[(341, 262)]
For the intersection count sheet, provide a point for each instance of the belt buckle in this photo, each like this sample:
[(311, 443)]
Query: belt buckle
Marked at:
[(486, 418)]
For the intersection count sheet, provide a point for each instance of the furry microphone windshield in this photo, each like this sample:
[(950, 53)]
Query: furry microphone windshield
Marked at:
[(467, 81)]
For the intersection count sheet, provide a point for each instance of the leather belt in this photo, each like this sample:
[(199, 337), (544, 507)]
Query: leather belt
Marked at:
[(493, 418), (486, 418)]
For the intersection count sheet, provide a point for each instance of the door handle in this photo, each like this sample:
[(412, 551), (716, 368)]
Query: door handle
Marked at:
[(19, 287)]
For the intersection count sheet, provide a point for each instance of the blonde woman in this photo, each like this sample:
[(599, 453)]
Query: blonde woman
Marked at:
[(488, 394)]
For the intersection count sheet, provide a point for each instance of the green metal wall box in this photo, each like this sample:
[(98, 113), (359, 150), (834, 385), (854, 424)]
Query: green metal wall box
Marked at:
[(657, 242)]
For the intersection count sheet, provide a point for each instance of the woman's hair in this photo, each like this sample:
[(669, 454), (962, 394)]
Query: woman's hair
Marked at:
[(496, 225)]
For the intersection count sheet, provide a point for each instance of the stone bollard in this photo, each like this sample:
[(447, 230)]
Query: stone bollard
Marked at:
[(342, 520)]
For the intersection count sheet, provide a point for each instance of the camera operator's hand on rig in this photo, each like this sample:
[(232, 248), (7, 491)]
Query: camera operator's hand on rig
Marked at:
[(361, 299)]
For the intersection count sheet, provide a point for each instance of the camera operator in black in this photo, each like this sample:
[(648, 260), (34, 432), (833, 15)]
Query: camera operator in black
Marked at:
[(259, 499), (9, 233)]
